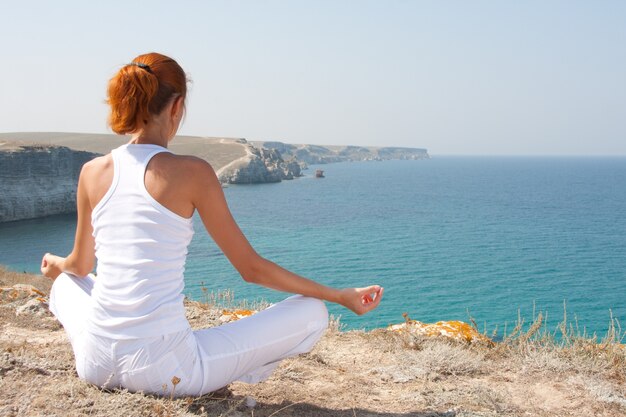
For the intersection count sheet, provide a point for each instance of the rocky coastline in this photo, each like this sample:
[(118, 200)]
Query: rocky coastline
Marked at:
[(259, 165), (267, 162), (317, 154), (39, 171), (38, 181)]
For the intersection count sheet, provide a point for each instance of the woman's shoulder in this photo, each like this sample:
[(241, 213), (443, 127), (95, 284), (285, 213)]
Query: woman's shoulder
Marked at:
[(185, 170), (184, 163), (186, 177), (96, 177), (97, 165)]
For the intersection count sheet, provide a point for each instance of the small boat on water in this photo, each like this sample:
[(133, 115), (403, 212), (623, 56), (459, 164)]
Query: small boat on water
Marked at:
[(319, 173)]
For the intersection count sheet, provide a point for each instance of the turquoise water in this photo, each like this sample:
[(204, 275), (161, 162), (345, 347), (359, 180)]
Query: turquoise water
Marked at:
[(486, 234)]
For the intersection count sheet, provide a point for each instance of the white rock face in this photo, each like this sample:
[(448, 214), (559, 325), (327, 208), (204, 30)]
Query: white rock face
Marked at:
[(316, 154), (37, 181), (259, 166)]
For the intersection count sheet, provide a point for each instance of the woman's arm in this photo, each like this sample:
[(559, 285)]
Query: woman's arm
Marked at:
[(208, 199), (81, 260)]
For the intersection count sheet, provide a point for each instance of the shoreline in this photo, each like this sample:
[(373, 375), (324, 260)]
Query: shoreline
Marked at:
[(39, 171)]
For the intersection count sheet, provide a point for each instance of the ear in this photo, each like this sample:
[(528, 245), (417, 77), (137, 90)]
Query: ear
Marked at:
[(177, 106)]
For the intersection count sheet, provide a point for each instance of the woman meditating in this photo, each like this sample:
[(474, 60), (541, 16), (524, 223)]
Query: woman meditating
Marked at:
[(127, 324)]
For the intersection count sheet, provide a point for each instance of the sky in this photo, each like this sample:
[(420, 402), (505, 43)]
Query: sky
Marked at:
[(455, 77)]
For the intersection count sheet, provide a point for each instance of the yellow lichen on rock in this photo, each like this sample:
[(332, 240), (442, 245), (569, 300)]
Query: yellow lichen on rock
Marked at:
[(19, 292), (456, 330), (233, 315)]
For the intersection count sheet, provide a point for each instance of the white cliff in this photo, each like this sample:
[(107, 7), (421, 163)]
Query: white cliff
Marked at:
[(38, 181), (258, 165)]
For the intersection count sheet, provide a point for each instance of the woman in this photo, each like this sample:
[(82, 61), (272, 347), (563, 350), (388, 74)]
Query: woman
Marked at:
[(127, 325)]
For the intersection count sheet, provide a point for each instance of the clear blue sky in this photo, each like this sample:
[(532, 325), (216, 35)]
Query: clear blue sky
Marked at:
[(456, 77)]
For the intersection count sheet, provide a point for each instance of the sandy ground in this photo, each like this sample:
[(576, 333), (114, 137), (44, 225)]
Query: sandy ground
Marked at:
[(217, 151), (355, 373)]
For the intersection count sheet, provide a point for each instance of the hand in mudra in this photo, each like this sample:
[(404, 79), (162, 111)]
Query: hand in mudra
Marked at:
[(51, 265), (361, 300)]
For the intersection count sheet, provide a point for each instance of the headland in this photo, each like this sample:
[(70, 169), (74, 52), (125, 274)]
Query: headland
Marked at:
[(39, 171)]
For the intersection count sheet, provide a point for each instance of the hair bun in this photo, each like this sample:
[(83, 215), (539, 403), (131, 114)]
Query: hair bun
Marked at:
[(136, 95)]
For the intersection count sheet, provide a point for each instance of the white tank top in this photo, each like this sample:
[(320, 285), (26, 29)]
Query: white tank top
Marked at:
[(141, 248)]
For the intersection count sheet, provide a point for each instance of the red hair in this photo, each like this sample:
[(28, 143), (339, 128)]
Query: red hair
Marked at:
[(142, 89)]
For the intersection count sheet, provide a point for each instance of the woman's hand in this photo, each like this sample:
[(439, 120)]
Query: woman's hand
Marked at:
[(361, 300), (52, 265), (205, 191)]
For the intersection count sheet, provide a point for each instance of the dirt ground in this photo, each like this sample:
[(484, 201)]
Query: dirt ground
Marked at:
[(355, 373)]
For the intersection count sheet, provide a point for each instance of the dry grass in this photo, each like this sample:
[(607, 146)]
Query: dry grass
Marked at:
[(380, 373), (10, 278), (566, 349), (225, 299)]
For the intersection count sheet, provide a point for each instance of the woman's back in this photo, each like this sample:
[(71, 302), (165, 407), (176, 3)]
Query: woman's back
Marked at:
[(141, 248), (127, 326)]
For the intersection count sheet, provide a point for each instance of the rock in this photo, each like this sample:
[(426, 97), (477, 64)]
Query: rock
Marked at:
[(228, 316), (260, 165), (19, 292), (38, 181), (402, 153), (250, 402), (26, 299), (316, 154), (283, 148), (267, 163), (357, 153), (456, 330), (36, 307), (292, 169)]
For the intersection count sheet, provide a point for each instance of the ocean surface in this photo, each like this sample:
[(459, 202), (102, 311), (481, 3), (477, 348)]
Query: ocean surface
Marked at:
[(446, 237)]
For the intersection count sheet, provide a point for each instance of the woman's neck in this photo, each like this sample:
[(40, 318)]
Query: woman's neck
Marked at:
[(161, 128), (151, 134)]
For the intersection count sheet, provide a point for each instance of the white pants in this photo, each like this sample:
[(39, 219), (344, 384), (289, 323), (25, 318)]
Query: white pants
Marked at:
[(246, 350)]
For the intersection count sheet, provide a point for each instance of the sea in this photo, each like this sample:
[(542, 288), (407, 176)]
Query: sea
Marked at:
[(489, 239)]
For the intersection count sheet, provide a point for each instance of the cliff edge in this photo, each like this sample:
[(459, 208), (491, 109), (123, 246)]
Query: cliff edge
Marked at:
[(317, 154), (384, 372), (39, 171), (37, 181), (259, 165)]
